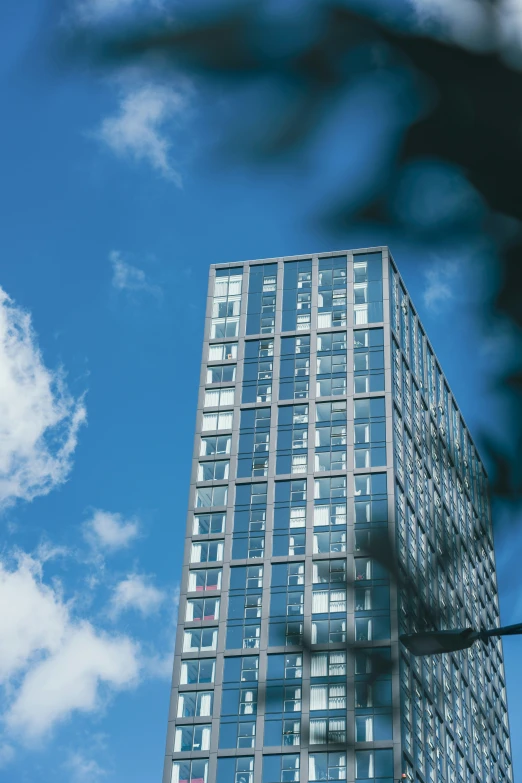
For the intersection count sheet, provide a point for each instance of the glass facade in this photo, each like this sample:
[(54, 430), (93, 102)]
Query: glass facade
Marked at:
[(326, 428)]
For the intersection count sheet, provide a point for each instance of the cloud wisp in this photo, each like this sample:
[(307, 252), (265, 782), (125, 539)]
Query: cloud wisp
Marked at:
[(138, 593), (440, 286), (92, 12), (40, 417), (53, 664), (139, 129), (126, 277), (109, 531)]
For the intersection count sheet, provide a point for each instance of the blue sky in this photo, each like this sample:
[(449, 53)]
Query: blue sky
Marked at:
[(115, 198)]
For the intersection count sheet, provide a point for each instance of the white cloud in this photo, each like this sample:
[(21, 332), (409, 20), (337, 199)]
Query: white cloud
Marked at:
[(110, 531), (126, 277), (476, 24), (440, 284), (39, 418), (139, 129), (136, 592), (83, 769), (52, 664), (95, 11)]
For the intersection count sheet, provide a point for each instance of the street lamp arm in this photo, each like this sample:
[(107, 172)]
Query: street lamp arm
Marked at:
[(436, 642), (506, 630)]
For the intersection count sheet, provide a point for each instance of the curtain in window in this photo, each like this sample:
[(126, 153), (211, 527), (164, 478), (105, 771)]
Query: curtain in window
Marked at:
[(226, 396), (360, 314), (363, 630), (319, 601), (215, 352), (234, 286), (337, 663), (249, 698), (364, 764), (339, 515), (190, 611), (205, 704), (210, 421), (319, 665), (321, 515), (338, 601), (318, 733), (297, 516), (195, 555), (337, 699), (225, 421), (299, 463), (324, 320), (205, 738), (211, 398), (221, 286), (337, 730), (191, 640), (319, 697)]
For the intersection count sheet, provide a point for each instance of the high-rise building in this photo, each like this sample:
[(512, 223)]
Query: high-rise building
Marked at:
[(337, 500)]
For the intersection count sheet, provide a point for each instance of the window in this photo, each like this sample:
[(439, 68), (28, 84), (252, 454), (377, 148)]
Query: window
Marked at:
[(369, 432), (208, 524), (294, 368), (221, 373), (198, 671), (332, 292), (324, 571), (331, 364), (217, 421), (325, 664), (291, 732), (328, 697), (190, 771), (287, 666), (218, 444), (206, 551), (297, 282), (213, 471), (333, 541), (368, 360), (206, 497), (226, 307), (281, 769), (188, 738), (325, 601), (258, 370), (330, 514), (200, 639), (235, 770), (326, 730), (254, 442), (261, 299), (204, 579), (330, 488), (220, 351), (195, 704), (330, 411), (371, 500), (329, 631), (367, 288), (199, 609), (372, 728), (372, 628), (241, 669), (215, 398), (373, 764), (327, 766)]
